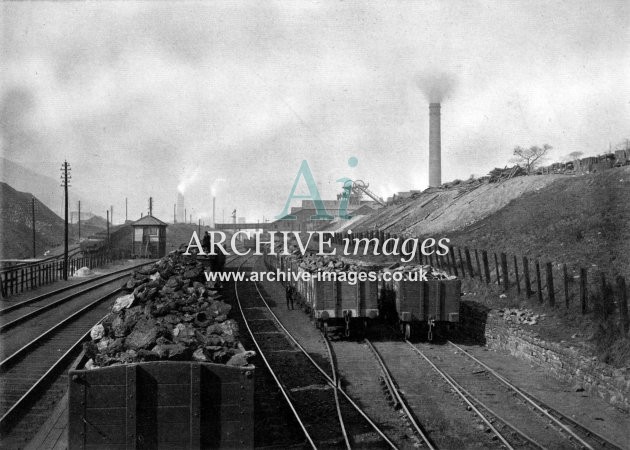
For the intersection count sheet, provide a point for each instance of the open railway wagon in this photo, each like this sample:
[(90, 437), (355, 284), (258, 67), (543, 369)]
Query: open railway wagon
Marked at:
[(341, 304), (166, 404), (216, 262), (431, 303)]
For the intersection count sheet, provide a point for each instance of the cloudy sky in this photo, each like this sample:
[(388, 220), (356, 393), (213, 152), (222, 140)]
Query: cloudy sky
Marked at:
[(143, 98)]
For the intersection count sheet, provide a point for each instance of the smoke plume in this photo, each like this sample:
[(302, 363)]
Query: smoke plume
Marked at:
[(215, 186), (436, 86), (189, 178)]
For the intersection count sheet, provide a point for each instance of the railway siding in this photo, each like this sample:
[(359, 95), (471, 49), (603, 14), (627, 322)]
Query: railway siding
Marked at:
[(566, 363), (494, 395)]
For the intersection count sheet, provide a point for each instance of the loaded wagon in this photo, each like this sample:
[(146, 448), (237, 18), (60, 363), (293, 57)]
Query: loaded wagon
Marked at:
[(327, 301), (430, 302), (165, 404), (340, 303)]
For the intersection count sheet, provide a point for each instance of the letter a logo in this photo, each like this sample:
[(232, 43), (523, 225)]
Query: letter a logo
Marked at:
[(305, 172)]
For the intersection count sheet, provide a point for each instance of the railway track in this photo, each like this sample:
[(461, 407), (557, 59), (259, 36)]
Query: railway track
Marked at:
[(38, 314), (580, 435), (30, 370), (437, 411), (34, 376), (32, 302), (311, 394)]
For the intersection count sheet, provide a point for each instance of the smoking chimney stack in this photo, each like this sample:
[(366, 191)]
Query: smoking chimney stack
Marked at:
[(181, 212), (435, 146)]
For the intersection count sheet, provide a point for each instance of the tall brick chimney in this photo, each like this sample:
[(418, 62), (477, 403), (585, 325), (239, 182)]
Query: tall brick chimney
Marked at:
[(435, 146)]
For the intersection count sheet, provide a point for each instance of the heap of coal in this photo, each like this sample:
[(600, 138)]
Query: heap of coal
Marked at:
[(169, 313), (317, 263), (430, 272)]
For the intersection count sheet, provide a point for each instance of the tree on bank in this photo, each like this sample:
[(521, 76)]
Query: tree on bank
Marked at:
[(530, 158)]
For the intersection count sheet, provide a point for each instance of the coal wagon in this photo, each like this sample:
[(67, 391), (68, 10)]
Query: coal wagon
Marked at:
[(330, 301), (426, 303), (165, 404)]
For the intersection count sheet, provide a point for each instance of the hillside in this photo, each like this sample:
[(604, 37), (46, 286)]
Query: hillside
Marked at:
[(16, 225), (46, 188), (581, 220)]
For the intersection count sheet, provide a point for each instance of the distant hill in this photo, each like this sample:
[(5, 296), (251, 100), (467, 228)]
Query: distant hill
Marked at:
[(89, 227), (16, 225), (95, 221), (46, 188)]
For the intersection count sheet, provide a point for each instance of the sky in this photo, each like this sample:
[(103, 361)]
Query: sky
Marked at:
[(143, 98)]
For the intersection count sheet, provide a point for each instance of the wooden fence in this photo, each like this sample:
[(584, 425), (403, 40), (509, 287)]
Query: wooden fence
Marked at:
[(550, 283), (22, 278)]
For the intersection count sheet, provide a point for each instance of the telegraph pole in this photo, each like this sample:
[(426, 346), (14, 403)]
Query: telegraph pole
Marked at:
[(108, 229), (33, 211), (150, 206), (65, 181), (79, 221)]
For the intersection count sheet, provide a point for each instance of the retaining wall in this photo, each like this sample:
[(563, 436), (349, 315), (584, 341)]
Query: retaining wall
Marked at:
[(564, 362)]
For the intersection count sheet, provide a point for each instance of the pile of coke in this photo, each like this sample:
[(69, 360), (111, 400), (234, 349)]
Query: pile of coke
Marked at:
[(429, 272), (318, 263), (170, 313)]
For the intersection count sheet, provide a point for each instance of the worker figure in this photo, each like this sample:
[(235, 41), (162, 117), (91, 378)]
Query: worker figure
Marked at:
[(205, 242), (289, 294)]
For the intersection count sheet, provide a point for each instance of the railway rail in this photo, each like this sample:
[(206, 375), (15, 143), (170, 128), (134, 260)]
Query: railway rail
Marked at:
[(317, 383), (28, 371), (399, 400), (34, 369), (16, 313), (433, 408), (578, 433)]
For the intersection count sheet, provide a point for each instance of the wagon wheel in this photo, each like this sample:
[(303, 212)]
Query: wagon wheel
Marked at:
[(407, 331)]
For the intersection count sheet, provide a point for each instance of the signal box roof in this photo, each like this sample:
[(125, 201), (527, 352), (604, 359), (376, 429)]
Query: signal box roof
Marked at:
[(149, 221)]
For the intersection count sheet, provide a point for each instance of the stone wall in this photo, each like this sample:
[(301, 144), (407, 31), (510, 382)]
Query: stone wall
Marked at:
[(567, 363)]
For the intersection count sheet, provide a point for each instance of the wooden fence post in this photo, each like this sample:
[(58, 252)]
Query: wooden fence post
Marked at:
[(469, 263), (478, 265), (623, 304), (528, 283), (565, 276), (539, 283), (504, 268), (496, 266), (454, 261), (486, 267), (550, 290), (518, 280), (583, 291), (605, 299)]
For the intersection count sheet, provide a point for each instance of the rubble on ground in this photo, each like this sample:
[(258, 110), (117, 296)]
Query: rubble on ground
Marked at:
[(168, 313), (523, 316), (83, 272)]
